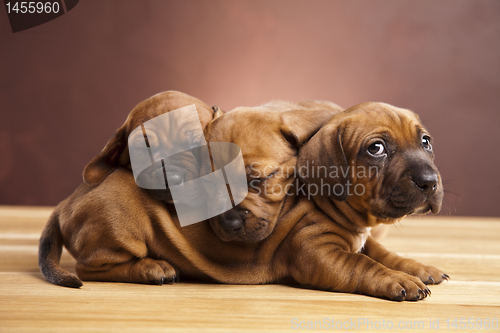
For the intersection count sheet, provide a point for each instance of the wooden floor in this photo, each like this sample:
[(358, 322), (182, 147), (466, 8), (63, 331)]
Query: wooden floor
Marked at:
[(468, 249)]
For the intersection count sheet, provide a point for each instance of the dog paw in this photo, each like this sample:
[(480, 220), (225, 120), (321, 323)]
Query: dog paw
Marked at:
[(156, 271), (170, 273), (404, 287), (427, 274)]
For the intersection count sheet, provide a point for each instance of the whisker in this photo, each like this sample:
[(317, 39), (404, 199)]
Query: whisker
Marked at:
[(459, 196), (449, 207), (395, 226)]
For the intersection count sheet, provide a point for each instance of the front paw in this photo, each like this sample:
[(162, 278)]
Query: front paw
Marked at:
[(427, 274), (152, 271), (399, 286)]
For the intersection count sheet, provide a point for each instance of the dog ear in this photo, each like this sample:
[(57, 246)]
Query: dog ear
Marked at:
[(108, 159), (217, 112), (322, 162), (298, 126)]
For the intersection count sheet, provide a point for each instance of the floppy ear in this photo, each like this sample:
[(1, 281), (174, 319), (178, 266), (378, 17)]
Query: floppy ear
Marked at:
[(107, 160), (298, 126), (322, 162)]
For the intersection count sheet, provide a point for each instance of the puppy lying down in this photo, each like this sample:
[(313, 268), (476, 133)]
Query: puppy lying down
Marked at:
[(321, 238)]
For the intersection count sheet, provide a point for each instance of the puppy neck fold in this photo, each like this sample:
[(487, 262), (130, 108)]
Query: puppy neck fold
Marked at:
[(345, 215)]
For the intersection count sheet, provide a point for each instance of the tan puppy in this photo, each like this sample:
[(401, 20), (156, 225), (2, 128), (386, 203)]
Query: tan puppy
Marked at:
[(76, 219), (111, 226), (116, 152), (270, 137), (392, 143), (270, 161)]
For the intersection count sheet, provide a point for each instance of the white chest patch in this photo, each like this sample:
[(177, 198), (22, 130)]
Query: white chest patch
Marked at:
[(364, 236)]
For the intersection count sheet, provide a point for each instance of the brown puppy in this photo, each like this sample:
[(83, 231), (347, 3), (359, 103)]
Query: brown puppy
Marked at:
[(110, 225), (116, 152), (76, 218), (270, 137), (379, 169), (270, 163)]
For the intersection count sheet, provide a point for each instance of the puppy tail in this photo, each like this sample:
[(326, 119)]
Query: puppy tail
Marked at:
[(49, 255)]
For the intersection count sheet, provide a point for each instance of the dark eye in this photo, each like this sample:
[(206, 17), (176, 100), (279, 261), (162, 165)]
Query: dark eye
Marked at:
[(426, 143), (377, 149)]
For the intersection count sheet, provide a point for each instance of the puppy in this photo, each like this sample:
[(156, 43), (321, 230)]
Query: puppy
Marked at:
[(91, 222), (380, 165), (114, 229), (270, 137), (116, 152)]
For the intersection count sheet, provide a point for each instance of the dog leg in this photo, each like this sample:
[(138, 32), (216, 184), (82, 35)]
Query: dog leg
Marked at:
[(326, 266), (323, 263), (427, 274), (138, 270)]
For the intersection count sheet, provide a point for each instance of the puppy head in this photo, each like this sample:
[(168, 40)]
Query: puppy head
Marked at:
[(269, 139), (116, 152), (378, 158)]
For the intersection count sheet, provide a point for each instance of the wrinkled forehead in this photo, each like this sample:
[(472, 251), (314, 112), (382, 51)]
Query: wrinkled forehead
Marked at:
[(384, 120), (169, 102), (143, 112)]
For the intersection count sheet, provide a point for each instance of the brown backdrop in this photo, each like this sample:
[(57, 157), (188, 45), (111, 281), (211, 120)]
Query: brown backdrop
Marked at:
[(68, 84)]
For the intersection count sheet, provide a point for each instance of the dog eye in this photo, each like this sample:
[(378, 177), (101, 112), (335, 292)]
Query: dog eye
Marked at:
[(426, 143), (377, 149), (272, 174)]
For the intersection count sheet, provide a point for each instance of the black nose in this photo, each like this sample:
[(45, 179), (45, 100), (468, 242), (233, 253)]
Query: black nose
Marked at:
[(231, 221), (174, 178), (232, 225), (427, 181)]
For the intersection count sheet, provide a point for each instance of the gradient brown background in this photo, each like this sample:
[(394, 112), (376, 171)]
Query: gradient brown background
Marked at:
[(67, 85)]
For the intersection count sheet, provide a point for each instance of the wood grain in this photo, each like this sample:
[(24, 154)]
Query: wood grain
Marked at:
[(465, 248)]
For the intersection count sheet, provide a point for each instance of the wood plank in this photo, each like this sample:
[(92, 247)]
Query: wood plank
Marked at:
[(466, 248)]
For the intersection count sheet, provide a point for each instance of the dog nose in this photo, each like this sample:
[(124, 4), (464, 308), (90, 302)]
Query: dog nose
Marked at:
[(232, 224), (231, 221), (427, 181), (174, 178)]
